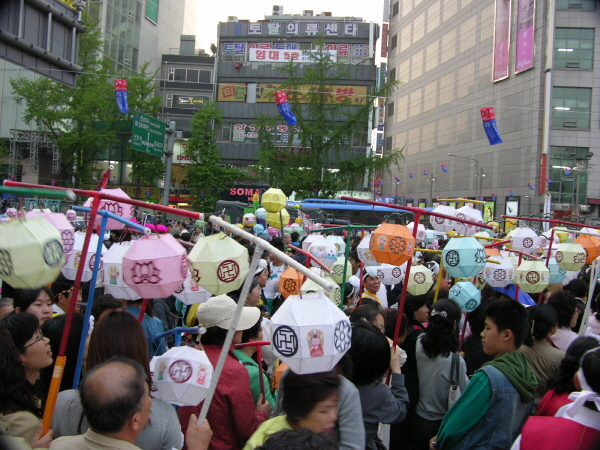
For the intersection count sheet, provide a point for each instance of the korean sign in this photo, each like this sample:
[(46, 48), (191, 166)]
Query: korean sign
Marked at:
[(148, 135), (231, 92), (259, 55)]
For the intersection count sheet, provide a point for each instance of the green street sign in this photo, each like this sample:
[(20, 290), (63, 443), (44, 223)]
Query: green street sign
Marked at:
[(148, 135)]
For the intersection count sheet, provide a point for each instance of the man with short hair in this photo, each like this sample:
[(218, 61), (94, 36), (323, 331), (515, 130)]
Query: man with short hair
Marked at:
[(493, 408)]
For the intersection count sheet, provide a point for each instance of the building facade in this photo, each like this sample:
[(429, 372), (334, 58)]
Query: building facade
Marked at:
[(535, 63)]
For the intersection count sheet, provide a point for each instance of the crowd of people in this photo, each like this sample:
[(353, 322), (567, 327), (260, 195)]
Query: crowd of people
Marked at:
[(511, 377)]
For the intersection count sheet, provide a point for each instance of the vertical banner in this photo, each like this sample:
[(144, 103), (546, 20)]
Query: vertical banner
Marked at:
[(525, 35), (489, 125), (384, 40), (381, 114), (121, 95), (502, 21)]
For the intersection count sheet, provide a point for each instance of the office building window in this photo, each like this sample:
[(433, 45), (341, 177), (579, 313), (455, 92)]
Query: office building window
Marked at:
[(190, 75), (388, 143), (571, 107), (392, 74), (574, 48), (390, 109), (394, 42), (395, 9), (169, 101), (564, 179), (586, 5)]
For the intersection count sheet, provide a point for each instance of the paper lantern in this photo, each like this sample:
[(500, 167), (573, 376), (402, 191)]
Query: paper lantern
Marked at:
[(335, 295), (273, 200), (290, 282), (430, 237), (544, 240), (273, 231), (421, 232), (463, 257), (69, 270), (570, 256), (492, 251), (123, 210), (190, 293), (261, 213), (310, 239), (591, 245), (31, 253), (310, 334), (481, 237), (338, 270), (501, 274), (466, 295), (219, 264), (278, 220), (258, 229), (71, 215), (440, 224), (468, 213), (524, 240), (112, 269), (533, 276), (390, 275), (479, 281), (323, 250), (557, 275), (420, 280), (64, 227), (562, 233), (182, 376), (392, 244), (249, 220), (340, 244), (155, 266), (364, 253)]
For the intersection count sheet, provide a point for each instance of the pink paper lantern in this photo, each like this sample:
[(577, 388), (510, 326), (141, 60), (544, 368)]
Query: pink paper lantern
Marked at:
[(121, 209), (155, 266), (64, 227)]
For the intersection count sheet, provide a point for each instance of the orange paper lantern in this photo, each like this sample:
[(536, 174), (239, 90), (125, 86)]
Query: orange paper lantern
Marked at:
[(290, 282), (591, 245), (392, 244)]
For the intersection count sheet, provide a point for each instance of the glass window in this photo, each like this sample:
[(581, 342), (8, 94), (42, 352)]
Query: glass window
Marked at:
[(205, 76), (395, 9), (390, 109), (588, 5), (574, 48), (571, 107), (394, 43), (192, 75), (564, 179), (388, 143), (169, 101), (179, 75), (392, 74)]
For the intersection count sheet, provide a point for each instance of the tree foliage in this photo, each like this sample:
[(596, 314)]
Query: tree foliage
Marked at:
[(318, 156), (206, 176)]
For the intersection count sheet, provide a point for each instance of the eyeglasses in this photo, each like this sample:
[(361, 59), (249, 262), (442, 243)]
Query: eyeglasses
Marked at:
[(40, 337)]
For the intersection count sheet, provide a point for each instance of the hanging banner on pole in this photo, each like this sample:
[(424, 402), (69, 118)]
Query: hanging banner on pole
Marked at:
[(489, 125), (121, 95), (502, 21), (525, 35)]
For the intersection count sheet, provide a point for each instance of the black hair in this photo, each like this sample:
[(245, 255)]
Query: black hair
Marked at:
[(563, 381), (590, 364), (565, 304), (295, 236), (476, 318), (300, 439), (253, 331), (235, 295), (108, 412), (302, 392), (411, 304), (214, 336), (509, 315), (441, 335), (390, 317), (370, 353), (354, 256), (25, 297), (105, 302), (596, 306), (577, 287), (278, 244), (21, 327), (542, 319), (367, 312), (60, 285)]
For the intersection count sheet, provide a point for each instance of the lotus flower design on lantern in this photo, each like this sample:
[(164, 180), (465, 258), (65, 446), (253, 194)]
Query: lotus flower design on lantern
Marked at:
[(145, 273)]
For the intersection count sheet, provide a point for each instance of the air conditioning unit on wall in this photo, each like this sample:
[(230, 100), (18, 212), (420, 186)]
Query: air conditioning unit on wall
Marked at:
[(277, 10)]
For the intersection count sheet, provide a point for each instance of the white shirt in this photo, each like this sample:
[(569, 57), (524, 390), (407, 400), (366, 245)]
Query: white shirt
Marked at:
[(272, 287)]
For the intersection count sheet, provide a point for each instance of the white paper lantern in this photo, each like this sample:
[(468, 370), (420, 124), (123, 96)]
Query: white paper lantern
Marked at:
[(249, 220), (182, 376), (31, 253), (364, 253), (441, 224), (468, 213), (390, 275), (311, 238), (340, 244), (524, 240), (62, 224), (499, 275), (261, 213), (112, 269), (310, 334), (71, 266), (190, 293), (421, 232), (324, 251)]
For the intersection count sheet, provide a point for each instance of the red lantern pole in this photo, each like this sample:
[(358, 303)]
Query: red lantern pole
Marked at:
[(310, 257), (143, 310), (258, 345), (497, 244), (517, 284)]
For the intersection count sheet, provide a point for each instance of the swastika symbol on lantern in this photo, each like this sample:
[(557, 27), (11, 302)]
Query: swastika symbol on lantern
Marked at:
[(228, 271), (439, 220), (180, 371), (499, 275), (527, 242), (559, 256), (397, 245), (289, 285), (6, 266), (455, 290), (579, 258), (396, 272), (532, 277), (342, 336), (419, 278), (452, 258), (285, 341), (68, 240), (53, 253)]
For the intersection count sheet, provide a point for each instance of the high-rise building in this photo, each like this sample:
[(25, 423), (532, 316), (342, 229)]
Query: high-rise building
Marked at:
[(535, 62)]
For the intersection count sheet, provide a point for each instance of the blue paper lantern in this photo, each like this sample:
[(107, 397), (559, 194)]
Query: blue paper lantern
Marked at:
[(258, 229), (557, 275), (464, 257), (466, 295)]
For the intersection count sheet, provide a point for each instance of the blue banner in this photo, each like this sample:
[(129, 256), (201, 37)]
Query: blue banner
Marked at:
[(121, 97)]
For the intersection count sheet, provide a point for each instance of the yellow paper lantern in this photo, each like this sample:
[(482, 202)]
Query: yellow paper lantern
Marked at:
[(570, 256), (420, 280), (392, 244), (277, 221), (591, 245), (274, 200), (533, 276)]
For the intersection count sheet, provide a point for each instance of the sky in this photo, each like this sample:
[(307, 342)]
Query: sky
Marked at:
[(210, 14)]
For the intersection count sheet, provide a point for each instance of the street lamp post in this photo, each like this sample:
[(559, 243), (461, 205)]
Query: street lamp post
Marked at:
[(479, 175), (579, 168), (431, 180)]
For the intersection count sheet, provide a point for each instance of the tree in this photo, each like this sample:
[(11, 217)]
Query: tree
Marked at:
[(317, 156), (206, 176)]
